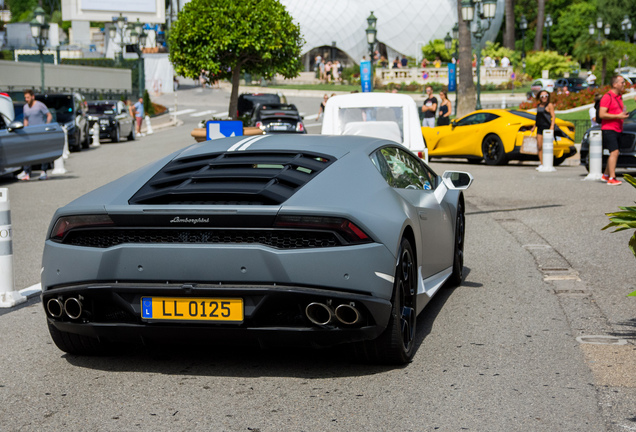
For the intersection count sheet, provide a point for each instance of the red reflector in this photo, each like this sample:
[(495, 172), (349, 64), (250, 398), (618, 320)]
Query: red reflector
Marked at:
[(420, 155)]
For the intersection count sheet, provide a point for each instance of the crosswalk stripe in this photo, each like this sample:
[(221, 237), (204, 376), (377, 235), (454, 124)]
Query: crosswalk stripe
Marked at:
[(202, 113), (185, 111), (311, 117)]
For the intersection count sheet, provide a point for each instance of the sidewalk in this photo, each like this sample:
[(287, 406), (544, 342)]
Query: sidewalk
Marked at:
[(160, 122)]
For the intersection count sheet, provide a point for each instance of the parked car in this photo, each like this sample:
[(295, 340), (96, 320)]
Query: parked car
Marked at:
[(541, 84), (69, 109), (277, 118), (627, 145), (114, 120), (380, 115), (30, 145), (247, 101), (572, 84), (298, 238), (494, 136)]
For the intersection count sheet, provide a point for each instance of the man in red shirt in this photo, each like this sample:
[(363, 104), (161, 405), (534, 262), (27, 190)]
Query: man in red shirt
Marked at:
[(612, 113)]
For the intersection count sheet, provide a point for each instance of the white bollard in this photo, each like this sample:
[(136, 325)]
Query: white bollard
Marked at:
[(66, 152), (595, 156), (503, 102), (548, 151), (148, 126), (58, 164), (96, 135), (8, 296)]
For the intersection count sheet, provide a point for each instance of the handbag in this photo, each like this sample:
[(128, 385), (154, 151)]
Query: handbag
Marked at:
[(529, 145)]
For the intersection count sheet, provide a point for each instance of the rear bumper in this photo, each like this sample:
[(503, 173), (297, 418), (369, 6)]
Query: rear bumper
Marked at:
[(272, 314)]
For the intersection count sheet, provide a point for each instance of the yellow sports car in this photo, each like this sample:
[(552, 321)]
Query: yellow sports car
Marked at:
[(495, 136)]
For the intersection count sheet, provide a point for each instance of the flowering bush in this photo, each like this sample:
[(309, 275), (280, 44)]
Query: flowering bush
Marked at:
[(566, 101)]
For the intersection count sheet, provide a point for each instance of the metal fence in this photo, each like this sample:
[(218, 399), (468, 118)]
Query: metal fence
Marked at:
[(16, 92), (580, 126)]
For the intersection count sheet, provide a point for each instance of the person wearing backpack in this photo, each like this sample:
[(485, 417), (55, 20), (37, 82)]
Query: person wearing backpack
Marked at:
[(612, 113), (594, 118)]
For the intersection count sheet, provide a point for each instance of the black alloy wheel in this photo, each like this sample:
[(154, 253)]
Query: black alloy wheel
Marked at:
[(493, 150), (396, 345), (457, 276)]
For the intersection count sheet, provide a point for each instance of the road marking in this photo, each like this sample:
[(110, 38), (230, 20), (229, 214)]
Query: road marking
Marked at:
[(202, 113), (185, 111), (313, 125), (311, 117)]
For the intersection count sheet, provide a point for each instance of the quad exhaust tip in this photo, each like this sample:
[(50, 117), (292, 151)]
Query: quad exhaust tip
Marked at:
[(348, 314), (55, 308), (323, 314), (73, 308)]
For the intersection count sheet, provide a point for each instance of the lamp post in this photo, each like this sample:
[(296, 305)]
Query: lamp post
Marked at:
[(40, 32), (523, 25), (626, 26), (131, 34), (484, 9), (371, 34), (547, 24), (456, 56)]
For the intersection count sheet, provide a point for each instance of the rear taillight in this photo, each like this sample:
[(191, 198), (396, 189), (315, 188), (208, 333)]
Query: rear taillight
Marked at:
[(344, 227), (66, 224), (5, 94), (300, 127), (260, 125)]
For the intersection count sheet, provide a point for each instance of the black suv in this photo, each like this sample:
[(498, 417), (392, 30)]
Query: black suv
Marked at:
[(69, 109), (627, 145), (247, 101)]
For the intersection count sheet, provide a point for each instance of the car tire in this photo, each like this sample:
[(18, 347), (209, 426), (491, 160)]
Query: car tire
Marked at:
[(77, 146), (559, 160), (396, 345), (457, 276), (77, 344), (493, 150), (115, 137), (131, 135)]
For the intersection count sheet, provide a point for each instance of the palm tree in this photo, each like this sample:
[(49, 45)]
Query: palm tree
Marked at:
[(509, 34), (538, 37), (466, 86)]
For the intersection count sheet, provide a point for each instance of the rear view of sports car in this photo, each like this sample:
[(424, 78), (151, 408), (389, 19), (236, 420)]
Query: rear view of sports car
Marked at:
[(319, 240)]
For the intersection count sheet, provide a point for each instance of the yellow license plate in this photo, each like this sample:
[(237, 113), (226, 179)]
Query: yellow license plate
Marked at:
[(192, 309)]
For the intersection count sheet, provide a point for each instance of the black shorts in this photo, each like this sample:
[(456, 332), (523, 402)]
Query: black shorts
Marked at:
[(540, 130), (610, 140)]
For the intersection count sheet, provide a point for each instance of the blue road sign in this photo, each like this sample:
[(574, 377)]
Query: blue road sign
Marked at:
[(215, 129), (452, 74), (365, 76)]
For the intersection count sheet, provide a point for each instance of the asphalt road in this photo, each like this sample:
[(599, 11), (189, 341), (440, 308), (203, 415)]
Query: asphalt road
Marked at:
[(498, 353)]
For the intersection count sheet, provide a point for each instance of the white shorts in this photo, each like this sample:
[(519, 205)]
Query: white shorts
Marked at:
[(428, 122)]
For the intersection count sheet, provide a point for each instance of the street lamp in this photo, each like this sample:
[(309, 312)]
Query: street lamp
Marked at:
[(371, 34), (485, 9), (131, 34), (626, 26), (40, 33), (547, 24), (523, 24)]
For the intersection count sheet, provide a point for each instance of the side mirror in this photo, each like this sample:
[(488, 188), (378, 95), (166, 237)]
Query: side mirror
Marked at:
[(15, 125), (453, 124), (457, 180)]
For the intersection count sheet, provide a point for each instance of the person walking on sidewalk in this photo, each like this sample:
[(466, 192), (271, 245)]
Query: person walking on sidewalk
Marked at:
[(612, 113), (35, 113), (139, 115)]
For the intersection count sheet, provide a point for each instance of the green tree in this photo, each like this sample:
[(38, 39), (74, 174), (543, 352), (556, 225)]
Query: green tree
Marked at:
[(436, 48), (548, 60), (227, 38), (571, 23)]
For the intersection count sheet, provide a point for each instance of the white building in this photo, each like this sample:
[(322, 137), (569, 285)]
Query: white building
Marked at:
[(403, 26)]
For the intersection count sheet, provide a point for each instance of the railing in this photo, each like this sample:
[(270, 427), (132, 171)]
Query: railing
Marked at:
[(580, 127), (488, 74), (88, 93)]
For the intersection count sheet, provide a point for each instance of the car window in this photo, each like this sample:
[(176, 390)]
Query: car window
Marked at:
[(371, 114), (477, 118), (402, 170)]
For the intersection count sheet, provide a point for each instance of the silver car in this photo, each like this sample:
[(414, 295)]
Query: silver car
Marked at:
[(306, 239)]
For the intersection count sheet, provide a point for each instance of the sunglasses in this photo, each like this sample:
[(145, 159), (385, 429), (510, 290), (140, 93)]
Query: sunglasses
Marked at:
[(543, 96)]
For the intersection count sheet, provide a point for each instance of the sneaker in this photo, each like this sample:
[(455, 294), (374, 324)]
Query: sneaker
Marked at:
[(614, 182), (22, 175), (539, 168), (604, 178), (43, 176), (25, 177)]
